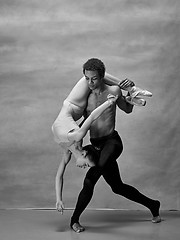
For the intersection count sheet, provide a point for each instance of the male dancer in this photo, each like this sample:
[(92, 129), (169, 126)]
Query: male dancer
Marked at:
[(108, 146)]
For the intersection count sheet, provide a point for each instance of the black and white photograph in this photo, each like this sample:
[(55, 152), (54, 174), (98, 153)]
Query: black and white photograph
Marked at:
[(89, 119)]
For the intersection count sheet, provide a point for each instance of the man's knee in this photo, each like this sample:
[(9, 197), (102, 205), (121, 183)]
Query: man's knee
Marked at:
[(119, 148), (116, 190)]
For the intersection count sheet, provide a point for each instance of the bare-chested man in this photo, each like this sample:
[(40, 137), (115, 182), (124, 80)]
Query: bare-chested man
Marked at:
[(107, 146)]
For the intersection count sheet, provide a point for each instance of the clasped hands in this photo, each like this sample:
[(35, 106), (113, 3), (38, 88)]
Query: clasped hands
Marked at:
[(124, 84)]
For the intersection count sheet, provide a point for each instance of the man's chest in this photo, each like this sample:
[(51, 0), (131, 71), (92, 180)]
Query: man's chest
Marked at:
[(95, 100)]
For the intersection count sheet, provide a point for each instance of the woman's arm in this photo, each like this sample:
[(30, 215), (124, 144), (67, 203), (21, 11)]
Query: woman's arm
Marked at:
[(80, 133), (59, 180), (80, 91)]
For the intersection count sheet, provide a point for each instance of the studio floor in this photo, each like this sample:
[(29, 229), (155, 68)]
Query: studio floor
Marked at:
[(18, 224)]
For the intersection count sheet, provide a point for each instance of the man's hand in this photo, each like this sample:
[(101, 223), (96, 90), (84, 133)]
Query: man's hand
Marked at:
[(60, 206), (126, 83)]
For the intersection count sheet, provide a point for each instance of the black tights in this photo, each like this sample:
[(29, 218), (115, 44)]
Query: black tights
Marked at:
[(108, 168)]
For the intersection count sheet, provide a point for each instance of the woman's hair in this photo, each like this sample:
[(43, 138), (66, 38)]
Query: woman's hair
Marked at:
[(92, 153), (94, 64)]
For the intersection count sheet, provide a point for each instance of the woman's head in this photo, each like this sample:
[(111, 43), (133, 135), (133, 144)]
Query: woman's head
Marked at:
[(92, 154), (88, 158)]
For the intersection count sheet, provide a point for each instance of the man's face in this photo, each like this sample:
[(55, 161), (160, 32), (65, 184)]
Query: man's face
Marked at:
[(93, 79)]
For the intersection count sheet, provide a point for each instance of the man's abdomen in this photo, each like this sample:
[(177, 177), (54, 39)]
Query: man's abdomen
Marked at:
[(101, 128)]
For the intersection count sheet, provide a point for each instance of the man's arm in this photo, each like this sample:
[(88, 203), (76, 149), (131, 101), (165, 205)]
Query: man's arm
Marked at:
[(59, 180), (121, 101), (123, 104)]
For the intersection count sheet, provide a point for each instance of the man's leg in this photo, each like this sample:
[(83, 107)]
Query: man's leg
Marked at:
[(107, 162), (112, 176), (111, 149), (84, 197)]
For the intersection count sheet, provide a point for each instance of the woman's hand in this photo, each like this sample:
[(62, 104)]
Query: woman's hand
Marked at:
[(111, 98), (82, 163), (60, 206)]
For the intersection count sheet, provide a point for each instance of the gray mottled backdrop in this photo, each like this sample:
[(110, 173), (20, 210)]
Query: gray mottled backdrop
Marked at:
[(43, 45)]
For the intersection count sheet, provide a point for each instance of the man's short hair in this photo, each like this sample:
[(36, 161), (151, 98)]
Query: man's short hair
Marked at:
[(94, 64)]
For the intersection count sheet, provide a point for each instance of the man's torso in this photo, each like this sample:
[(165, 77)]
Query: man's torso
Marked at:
[(105, 124)]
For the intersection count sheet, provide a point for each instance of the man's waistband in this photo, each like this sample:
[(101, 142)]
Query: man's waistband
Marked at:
[(103, 138)]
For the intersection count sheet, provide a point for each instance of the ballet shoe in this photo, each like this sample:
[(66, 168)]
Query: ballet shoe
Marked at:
[(76, 227), (136, 101), (138, 92)]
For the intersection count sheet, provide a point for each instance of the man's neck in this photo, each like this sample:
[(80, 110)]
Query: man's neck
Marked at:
[(99, 90)]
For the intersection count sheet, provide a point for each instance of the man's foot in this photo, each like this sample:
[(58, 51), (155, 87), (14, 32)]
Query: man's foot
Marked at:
[(76, 227), (155, 212), (156, 219)]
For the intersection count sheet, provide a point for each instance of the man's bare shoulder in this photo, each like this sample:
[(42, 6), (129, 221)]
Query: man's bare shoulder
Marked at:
[(115, 90)]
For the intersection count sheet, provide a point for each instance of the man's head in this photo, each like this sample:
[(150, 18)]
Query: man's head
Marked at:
[(94, 64), (94, 71)]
